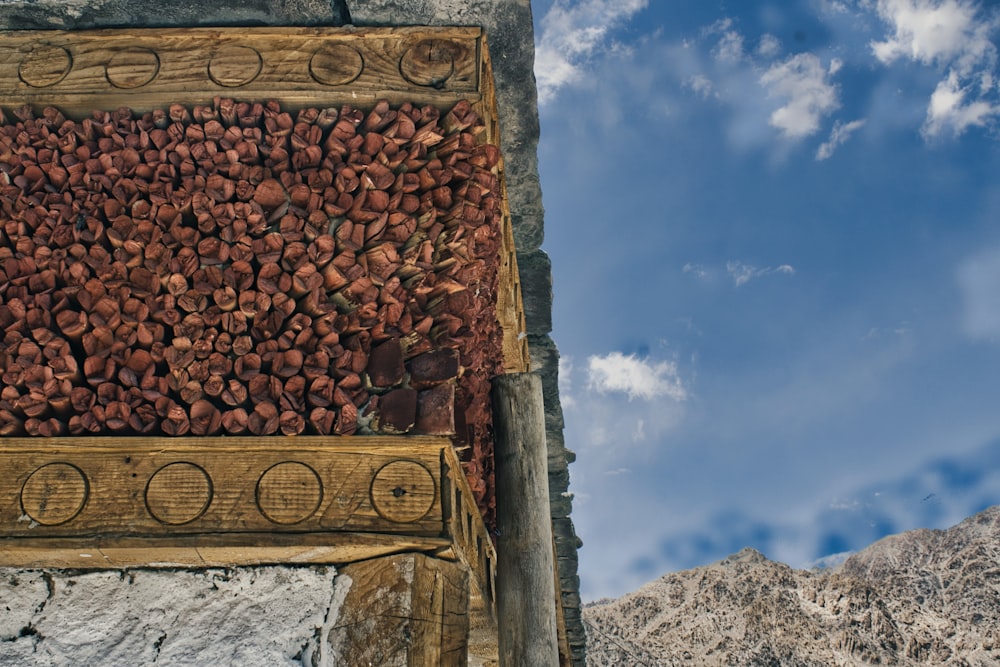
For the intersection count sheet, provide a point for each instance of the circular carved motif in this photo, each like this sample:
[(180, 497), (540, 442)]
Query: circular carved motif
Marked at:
[(235, 66), (46, 65), (430, 62), (403, 491), (132, 68), (289, 492), (336, 64), (178, 493), (54, 494)]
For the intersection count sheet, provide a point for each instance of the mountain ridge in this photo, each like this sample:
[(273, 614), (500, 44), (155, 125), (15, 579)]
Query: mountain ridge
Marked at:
[(923, 597)]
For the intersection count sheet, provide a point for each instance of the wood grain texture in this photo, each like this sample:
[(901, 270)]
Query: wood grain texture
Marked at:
[(472, 541), (228, 550), (526, 599), (407, 609), (147, 69), (509, 306), (474, 549), (72, 487)]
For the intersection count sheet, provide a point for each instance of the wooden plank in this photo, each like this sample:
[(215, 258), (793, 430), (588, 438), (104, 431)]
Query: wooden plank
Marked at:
[(526, 597), (468, 533), (147, 69), (230, 550), (407, 610), (510, 307), (148, 486)]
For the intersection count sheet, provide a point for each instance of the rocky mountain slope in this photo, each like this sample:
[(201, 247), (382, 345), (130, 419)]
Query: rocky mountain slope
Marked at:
[(924, 597)]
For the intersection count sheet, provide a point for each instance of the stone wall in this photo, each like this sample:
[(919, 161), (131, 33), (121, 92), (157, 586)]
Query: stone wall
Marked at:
[(240, 616), (509, 30)]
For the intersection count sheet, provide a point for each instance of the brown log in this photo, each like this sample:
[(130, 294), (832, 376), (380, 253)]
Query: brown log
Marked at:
[(174, 418), (235, 421), (47, 428), (10, 424), (291, 423), (347, 420), (144, 419), (264, 420), (234, 393), (205, 418)]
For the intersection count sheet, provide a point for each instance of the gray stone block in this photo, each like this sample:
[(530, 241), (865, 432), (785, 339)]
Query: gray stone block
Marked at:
[(232, 616), (87, 14), (535, 271)]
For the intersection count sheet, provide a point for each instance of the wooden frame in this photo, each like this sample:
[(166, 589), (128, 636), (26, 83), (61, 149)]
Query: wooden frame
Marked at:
[(226, 501)]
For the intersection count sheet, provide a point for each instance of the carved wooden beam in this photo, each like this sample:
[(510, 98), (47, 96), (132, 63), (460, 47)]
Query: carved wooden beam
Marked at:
[(153, 68)]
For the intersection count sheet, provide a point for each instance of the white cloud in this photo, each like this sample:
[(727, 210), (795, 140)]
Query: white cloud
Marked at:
[(702, 85), (729, 48), (695, 269), (840, 134), (941, 32), (570, 35), (639, 432), (978, 278), (744, 273), (566, 398), (638, 378), (768, 46), (948, 109), (955, 35), (803, 82)]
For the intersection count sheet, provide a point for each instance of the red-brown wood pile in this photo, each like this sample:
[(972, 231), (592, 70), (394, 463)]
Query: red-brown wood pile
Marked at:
[(235, 268)]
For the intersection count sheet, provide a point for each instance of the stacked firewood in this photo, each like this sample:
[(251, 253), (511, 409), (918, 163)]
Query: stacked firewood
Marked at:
[(236, 268)]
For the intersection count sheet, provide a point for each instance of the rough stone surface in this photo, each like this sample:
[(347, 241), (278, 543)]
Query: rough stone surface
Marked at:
[(545, 362), (535, 271), (87, 14), (238, 616), (924, 597)]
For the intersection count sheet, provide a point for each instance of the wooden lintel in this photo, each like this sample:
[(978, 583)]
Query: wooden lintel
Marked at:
[(147, 69), (154, 487), (209, 550)]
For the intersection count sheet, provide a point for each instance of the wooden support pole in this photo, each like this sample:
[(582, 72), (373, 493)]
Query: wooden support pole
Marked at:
[(406, 610), (525, 589)]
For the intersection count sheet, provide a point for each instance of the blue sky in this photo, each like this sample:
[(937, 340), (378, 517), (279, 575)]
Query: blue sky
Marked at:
[(776, 263)]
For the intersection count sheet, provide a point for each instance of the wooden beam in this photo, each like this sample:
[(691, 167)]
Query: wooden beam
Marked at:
[(97, 488), (526, 602), (408, 610), (147, 69), (510, 306), (230, 550)]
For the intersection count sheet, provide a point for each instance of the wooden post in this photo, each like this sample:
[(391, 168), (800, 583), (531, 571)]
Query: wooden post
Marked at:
[(407, 610), (525, 588)]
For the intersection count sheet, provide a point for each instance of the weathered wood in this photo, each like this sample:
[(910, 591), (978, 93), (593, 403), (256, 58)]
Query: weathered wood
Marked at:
[(510, 307), (230, 550), (526, 598), (150, 69), (408, 610), (148, 487)]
